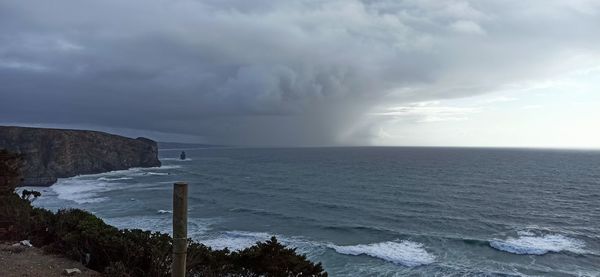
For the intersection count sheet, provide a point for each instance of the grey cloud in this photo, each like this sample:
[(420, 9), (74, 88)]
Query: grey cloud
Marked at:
[(271, 72)]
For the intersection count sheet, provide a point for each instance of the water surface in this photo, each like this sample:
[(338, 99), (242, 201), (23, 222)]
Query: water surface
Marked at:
[(376, 211)]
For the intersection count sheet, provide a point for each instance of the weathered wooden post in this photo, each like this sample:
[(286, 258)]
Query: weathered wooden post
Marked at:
[(180, 196)]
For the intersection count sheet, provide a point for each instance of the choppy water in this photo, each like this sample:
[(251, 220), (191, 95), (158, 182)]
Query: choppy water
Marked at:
[(372, 211)]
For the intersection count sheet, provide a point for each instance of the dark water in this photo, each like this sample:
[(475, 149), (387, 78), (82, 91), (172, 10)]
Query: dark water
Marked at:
[(373, 211)]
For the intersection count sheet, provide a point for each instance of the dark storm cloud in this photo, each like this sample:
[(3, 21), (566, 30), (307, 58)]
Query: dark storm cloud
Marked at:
[(271, 72)]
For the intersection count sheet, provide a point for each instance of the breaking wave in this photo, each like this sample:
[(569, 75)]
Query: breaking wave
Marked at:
[(235, 240), (158, 223), (81, 191), (531, 244), (406, 253), (114, 179), (88, 188), (156, 173)]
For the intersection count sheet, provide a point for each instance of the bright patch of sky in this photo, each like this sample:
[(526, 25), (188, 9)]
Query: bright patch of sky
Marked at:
[(556, 113)]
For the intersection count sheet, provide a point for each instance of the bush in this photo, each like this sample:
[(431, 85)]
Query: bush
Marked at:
[(270, 258), (14, 216)]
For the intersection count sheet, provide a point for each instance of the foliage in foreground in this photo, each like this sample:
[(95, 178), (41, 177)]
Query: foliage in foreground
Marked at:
[(84, 237)]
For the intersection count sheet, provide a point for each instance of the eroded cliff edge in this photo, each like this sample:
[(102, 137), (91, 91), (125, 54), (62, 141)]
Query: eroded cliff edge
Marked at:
[(57, 153)]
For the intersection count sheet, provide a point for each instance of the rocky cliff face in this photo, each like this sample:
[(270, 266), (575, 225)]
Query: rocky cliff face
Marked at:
[(54, 153)]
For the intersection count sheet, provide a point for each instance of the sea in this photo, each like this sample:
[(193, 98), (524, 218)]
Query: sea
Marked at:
[(370, 211)]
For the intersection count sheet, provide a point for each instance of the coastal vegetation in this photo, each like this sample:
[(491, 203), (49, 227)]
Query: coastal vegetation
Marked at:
[(84, 237)]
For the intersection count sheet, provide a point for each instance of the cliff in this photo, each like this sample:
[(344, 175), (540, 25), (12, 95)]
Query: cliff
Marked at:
[(55, 153)]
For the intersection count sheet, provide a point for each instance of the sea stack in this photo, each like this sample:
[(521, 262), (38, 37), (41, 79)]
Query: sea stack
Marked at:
[(57, 153)]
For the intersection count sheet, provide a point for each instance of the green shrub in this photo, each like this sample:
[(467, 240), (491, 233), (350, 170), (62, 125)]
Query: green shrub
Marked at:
[(41, 226), (14, 214), (270, 258), (85, 237), (203, 261)]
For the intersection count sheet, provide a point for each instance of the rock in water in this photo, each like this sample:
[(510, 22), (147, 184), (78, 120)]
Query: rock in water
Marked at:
[(55, 153), (71, 271)]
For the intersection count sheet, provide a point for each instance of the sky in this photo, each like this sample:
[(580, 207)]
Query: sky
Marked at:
[(507, 73)]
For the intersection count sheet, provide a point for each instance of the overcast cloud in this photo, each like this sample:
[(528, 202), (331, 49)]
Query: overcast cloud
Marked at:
[(279, 72)]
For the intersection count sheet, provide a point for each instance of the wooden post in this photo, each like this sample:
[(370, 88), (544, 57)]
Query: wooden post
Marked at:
[(180, 192)]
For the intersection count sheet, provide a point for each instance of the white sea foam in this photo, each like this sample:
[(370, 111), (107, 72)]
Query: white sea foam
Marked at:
[(164, 167), (81, 191), (114, 179), (127, 173), (159, 223), (404, 252), (530, 244), (235, 240), (156, 173), (131, 173), (165, 211), (88, 188)]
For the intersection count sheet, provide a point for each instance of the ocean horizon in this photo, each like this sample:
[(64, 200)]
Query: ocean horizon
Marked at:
[(370, 211)]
